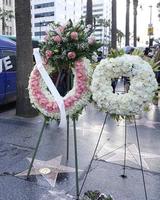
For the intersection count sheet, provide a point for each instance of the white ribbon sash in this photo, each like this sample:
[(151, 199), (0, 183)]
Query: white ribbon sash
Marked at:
[(57, 97)]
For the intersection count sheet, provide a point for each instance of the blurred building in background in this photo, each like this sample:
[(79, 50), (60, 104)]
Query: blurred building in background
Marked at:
[(102, 14), (7, 23), (102, 22), (45, 12)]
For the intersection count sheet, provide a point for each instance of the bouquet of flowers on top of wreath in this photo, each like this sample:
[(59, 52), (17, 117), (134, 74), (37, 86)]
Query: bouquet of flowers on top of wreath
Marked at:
[(65, 44)]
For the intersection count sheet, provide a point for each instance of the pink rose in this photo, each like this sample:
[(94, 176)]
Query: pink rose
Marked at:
[(79, 75), (57, 39), (49, 54), (36, 73), (38, 96), (34, 83), (43, 102), (66, 104), (34, 77), (71, 55), (74, 36), (78, 95), (34, 90), (91, 40), (49, 107)]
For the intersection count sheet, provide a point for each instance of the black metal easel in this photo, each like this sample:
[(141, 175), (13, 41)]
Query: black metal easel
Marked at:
[(125, 154), (69, 83)]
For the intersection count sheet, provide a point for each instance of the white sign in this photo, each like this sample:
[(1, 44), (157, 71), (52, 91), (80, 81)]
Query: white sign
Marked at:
[(7, 63)]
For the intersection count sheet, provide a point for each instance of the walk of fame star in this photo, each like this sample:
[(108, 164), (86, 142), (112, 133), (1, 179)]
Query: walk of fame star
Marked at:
[(48, 169), (117, 155), (142, 122), (147, 123)]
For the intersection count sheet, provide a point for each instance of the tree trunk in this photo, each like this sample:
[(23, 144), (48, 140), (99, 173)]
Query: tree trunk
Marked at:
[(24, 61), (127, 22), (3, 26), (114, 25), (158, 6), (135, 5), (89, 17)]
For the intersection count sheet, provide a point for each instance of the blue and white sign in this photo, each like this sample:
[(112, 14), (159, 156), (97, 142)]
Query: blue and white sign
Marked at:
[(7, 63)]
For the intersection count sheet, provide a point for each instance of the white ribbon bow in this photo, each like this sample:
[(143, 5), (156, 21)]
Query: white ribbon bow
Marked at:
[(57, 97)]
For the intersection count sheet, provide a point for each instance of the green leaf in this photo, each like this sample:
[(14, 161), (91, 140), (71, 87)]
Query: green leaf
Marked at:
[(115, 53)]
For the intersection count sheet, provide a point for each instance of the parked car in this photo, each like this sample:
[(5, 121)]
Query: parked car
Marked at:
[(35, 42), (7, 70)]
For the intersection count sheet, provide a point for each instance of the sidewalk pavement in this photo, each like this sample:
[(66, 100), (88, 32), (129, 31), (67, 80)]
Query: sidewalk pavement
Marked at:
[(18, 137)]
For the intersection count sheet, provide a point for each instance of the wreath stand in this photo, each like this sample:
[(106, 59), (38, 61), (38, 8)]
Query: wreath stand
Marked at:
[(125, 154), (69, 83)]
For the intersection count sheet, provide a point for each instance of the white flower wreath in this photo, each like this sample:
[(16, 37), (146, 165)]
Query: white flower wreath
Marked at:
[(75, 100), (142, 85)]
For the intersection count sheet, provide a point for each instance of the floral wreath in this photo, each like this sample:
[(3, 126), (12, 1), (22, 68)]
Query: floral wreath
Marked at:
[(74, 100), (142, 85), (65, 47)]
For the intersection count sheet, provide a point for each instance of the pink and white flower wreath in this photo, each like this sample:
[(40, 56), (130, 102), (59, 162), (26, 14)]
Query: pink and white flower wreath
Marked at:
[(75, 100)]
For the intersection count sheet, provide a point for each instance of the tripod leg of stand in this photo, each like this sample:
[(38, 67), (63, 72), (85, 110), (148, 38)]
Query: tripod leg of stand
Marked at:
[(125, 151), (76, 158), (69, 85), (140, 158), (95, 150), (36, 149), (67, 138)]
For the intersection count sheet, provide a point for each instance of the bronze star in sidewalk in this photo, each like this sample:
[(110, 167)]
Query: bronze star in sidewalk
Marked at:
[(48, 169)]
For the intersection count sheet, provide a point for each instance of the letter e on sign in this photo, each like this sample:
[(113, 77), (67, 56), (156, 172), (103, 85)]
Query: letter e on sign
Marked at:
[(7, 63), (0, 65)]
